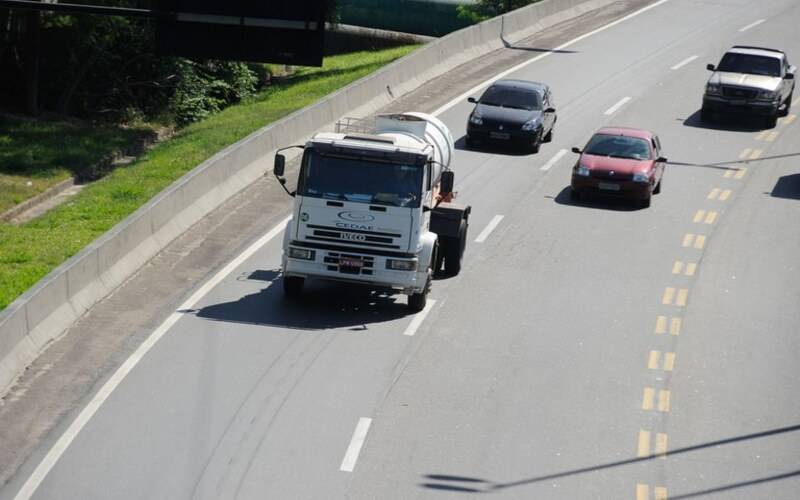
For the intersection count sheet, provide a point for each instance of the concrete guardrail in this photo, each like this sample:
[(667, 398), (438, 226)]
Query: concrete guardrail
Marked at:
[(45, 311)]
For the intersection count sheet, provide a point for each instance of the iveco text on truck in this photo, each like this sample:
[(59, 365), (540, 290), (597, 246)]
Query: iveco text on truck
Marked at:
[(375, 208)]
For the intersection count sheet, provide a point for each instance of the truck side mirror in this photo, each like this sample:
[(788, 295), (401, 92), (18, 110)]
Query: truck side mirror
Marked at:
[(280, 164), (790, 76), (447, 182), (710, 67)]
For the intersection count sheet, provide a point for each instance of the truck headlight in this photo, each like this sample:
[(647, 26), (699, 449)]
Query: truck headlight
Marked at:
[(641, 177), (301, 253), (713, 89), (401, 265), (476, 119), (582, 171), (530, 125), (767, 94)]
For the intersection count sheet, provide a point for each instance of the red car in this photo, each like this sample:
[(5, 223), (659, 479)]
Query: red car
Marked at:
[(619, 161)]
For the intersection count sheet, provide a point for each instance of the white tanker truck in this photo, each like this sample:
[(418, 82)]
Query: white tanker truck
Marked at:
[(375, 208)]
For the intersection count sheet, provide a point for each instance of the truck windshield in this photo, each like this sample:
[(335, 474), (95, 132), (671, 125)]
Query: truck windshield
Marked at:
[(361, 180)]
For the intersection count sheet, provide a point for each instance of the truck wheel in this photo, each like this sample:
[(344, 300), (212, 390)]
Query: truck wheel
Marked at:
[(771, 121), (417, 301), (438, 258), (293, 286)]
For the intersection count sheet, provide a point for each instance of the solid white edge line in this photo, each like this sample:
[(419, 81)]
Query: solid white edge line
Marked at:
[(552, 161), (684, 62), (58, 449), (419, 318), (359, 436), (519, 66), (751, 25), (489, 228), (613, 109)]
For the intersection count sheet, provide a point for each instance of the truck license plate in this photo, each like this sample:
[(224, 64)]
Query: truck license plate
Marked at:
[(351, 263), (608, 186), (500, 135)]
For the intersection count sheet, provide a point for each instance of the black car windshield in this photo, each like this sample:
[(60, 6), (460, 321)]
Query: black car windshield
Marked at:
[(361, 180), (510, 97), (618, 146), (748, 63)]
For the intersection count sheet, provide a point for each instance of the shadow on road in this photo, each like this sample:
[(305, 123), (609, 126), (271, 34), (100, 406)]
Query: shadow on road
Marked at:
[(598, 201), (787, 186), (731, 123), (468, 484), (723, 165), (323, 306), (493, 147)]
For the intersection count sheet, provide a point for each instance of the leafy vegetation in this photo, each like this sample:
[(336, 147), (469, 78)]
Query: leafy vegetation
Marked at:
[(482, 10), (31, 250)]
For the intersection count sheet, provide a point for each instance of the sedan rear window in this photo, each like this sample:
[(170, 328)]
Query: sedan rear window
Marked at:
[(509, 97), (618, 146)]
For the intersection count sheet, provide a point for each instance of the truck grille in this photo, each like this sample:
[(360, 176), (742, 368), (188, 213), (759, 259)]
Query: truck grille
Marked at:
[(739, 92), (371, 239)]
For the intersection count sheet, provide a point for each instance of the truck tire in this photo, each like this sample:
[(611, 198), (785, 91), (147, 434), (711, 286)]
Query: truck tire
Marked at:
[(417, 301), (293, 286), (788, 108)]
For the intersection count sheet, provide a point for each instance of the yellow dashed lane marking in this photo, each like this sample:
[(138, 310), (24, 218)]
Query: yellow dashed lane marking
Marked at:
[(663, 401), (647, 398), (643, 492), (706, 217), (711, 216), (714, 194), (683, 294), (745, 153), (669, 295), (643, 446), (756, 154), (725, 195), (772, 136), (658, 362), (661, 445), (740, 173), (697, 241), (679, 297), (737, 173), (698, 216), (762, 135), (789, 119), (675, 326), (679, 267)]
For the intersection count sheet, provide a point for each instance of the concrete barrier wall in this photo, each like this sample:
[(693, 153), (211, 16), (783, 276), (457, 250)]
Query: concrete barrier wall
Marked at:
[(45, 311)]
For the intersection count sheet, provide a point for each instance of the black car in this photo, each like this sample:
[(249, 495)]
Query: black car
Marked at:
[(515, 112)]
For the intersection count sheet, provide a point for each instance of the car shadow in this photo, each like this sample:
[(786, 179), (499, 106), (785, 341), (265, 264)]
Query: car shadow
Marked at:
[(493, 148), (597, 201), (322, 305), (787, 187), (728, 122)]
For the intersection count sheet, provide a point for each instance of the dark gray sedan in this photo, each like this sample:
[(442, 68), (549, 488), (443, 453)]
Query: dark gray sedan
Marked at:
[(515, 112)]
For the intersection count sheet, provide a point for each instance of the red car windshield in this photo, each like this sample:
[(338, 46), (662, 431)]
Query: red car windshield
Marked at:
[(618, 146)]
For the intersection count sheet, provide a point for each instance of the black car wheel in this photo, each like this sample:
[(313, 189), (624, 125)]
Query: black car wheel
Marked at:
[(549, 136), (537, 142)]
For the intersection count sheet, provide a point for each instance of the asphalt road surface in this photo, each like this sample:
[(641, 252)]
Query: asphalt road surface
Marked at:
[(587, 350)]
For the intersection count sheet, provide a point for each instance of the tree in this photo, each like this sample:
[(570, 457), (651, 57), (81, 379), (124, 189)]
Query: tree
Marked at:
[(482, 10)]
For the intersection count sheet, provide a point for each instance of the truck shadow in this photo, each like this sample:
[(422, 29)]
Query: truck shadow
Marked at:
[(729, 122), (323, 306)]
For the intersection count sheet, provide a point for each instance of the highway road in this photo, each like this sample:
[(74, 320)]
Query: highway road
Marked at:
[(587, 350)]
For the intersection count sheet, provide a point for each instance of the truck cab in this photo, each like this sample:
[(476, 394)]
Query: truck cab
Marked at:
[(364, 206)]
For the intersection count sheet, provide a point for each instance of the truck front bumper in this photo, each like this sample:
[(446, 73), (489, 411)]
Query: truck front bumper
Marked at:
[(371, 270), (742, 106)]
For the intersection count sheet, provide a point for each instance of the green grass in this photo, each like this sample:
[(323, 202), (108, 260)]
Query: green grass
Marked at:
[(30, 251), (37, 155)]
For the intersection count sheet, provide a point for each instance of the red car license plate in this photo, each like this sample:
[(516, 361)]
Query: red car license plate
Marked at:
[(608, 186), (351, 262)]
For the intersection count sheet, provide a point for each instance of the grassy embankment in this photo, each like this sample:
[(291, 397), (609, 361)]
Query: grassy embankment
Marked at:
[(30, 251)]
